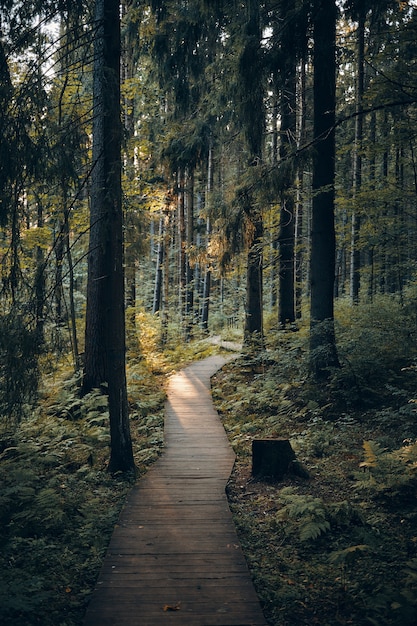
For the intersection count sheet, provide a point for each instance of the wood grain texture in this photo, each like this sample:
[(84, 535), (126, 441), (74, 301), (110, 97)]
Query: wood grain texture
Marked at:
[(174, 557)]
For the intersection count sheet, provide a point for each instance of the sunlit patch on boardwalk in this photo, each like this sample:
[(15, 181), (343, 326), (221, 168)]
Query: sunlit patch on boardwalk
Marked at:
[(174, 557)]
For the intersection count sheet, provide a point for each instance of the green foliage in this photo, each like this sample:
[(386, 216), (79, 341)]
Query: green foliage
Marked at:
[(375, 341), (58, 505), (311, 517), (304, 512), (391, 475), (330, 541), (19, 373)]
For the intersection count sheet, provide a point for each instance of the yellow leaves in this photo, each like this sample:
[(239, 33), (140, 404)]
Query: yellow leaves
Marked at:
[(372, 451), (37, 238)]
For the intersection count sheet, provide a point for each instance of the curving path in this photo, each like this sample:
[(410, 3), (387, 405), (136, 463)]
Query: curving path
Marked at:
[(174, 557)]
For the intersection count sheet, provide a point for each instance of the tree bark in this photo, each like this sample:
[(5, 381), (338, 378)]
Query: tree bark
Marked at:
[(299, 251), (182, 257), (323, 353), (71, 292), (157, 294), (355, 255), (205, 299), (253, 332), (253, 121), (40, 281), (189, 231), (105, 315), (286, 313)]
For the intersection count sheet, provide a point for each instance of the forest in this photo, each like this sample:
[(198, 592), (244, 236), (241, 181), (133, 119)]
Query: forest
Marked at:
[(172, 172)]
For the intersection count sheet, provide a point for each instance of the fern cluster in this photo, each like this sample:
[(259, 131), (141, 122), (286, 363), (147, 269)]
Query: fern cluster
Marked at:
[(390, 474), (310, 517), (58, 505), (341, 546)]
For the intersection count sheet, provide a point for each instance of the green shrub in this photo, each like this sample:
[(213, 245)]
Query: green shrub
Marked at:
[(19, 372)]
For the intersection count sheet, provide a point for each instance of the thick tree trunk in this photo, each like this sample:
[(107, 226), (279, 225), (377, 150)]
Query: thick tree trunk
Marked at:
[(323, 353), (105, 315), (254, 121)]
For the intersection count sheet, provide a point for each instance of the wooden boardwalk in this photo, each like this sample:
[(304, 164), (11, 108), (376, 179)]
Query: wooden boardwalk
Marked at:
[(174, 557)]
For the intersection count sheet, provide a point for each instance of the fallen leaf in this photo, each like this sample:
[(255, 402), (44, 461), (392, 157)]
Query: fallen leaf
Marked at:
[(172, 607)]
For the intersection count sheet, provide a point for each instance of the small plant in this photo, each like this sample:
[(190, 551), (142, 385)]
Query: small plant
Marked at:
[(347, 559), (306, 514), (392, 475)]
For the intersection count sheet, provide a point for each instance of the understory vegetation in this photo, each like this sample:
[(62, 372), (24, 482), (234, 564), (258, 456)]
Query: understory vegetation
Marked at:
[(338, 547), (58, 504)]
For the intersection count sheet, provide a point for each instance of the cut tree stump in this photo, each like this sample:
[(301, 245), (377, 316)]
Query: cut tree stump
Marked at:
[(272, 457)]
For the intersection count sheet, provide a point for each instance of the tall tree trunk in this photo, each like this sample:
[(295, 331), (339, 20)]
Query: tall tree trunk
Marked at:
[(71, 292), (182, 257), (252, 90), (253, 332), (286, 302), (189, 232), (383, 254), (323, 353), (58, 291), (205, 300), (165, 276), (355, 255), (299, 252), (130, 28), (274, 244), (372, 179), (105, 315), (40, 281), (157, 294)]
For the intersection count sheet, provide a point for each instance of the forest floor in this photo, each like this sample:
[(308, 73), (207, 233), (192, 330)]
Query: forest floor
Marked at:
[(338, 547), (58, 503)]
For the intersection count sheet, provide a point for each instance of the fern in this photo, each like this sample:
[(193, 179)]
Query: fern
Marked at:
[(372, 452), (304, 513), (391, 474), (348, 555), (312, 530)]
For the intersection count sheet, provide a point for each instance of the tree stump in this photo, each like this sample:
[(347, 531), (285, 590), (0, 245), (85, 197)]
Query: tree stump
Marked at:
[(272, 457)]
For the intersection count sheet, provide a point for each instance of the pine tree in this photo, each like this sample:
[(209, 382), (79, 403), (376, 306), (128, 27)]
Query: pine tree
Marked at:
[(323, 353), (105, 321)]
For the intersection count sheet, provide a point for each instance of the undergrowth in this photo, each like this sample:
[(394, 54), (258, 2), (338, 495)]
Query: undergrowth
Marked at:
[(58, 504), (341, 546)]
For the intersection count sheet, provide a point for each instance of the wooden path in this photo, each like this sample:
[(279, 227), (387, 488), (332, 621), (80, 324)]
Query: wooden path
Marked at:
[(174, 557)]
